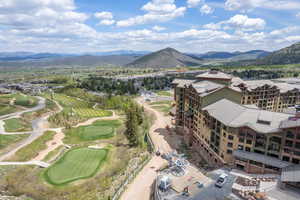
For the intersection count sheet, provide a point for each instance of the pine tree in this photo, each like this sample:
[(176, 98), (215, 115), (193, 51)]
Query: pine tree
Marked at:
[(131, 126)]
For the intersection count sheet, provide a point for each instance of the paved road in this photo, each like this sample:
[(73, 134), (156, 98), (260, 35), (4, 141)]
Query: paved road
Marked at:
[(38, 126), (140, 188)]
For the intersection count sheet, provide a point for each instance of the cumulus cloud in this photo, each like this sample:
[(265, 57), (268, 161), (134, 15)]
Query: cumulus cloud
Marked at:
[(248, 5), (158, 28), (193, 3), (56, 26), (156, 11), (107, 22), (206, 9), (239, 22), (103, 15)]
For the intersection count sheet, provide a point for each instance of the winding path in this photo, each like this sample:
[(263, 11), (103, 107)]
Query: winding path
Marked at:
[(39, 127), (140, 188)]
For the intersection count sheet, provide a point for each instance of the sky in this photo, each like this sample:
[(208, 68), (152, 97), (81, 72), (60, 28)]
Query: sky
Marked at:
[(193, 26)]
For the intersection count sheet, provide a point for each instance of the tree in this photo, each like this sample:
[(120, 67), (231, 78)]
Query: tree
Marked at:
[(131, 126)]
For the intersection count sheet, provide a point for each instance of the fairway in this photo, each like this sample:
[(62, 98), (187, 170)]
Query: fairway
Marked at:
[(76, 164), (16, 125), (80, 107), (101, 129), (7, 109)]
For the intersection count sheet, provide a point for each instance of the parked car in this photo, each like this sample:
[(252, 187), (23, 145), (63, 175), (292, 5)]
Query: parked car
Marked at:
[(221, 180)]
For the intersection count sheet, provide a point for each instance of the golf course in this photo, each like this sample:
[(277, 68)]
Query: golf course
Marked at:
[(76, 164)]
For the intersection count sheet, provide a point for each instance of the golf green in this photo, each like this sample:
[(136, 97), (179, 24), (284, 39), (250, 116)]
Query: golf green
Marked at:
[(76, 164)]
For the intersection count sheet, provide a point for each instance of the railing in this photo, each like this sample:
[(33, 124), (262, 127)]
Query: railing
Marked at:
[(129, 179)]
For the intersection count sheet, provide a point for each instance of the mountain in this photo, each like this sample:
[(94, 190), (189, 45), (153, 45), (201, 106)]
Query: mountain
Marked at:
[(19, 56), (288, 55), (120, 52), (233, 56), (165, 58), (85, 60)]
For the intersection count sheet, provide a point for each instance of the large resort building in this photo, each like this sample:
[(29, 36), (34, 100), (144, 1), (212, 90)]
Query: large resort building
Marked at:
[(250, 125)]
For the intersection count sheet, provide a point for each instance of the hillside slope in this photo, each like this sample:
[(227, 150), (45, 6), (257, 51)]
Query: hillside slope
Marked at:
[(165, 58), (288, 55)]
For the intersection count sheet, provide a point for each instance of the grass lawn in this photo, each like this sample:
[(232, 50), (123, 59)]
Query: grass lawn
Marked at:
[(164, 93), (80, 107), (6, 140), (30, 151), (161, 102), (24, 100), (162, 108), (76, 164), (17, 125), (98, 130), (7, 109)]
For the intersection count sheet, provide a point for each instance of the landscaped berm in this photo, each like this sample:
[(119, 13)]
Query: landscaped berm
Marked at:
[(80, 163)]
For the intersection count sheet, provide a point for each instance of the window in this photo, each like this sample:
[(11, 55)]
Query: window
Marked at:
[(241, 147), (297, 145), (249, 141), (229, 151), (230, 137), (241, 140), (298, 137), (248, 149), (285, 158), (295, 161), (289, 143), (289, 134), (256, 163), (297, 153), (229, 144)]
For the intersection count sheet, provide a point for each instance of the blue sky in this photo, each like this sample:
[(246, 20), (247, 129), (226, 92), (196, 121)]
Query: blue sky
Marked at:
[(76, 26)]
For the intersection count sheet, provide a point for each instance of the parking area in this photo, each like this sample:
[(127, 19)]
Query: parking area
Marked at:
[(211, 192)]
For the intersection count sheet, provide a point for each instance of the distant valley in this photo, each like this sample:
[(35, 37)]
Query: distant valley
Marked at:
[(164, 58)]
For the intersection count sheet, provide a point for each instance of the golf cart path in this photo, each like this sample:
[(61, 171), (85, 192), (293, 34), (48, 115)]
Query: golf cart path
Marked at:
[(59, 136), (39, 126), (38, 163), (140, 188)]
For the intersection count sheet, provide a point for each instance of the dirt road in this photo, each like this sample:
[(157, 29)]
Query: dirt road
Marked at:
[(140, 188)]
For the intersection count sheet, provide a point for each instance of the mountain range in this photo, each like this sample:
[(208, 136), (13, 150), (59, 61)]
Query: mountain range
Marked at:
[(167, 57)]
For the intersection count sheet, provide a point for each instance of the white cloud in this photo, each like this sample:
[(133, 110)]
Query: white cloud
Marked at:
[(248, 5), (158, 28), (285, 31), (56, 26), (239, 22), (298, 15), (213, 26), (107, 22), (206, 9), (156, 11), (193, 3), (103, 15), (244, 22)]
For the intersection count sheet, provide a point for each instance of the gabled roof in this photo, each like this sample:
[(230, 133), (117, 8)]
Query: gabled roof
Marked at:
[(235, 115), (182, 82), (215, 75), (206, 87), (254, 84)]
